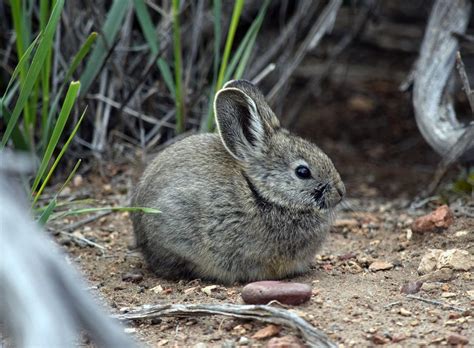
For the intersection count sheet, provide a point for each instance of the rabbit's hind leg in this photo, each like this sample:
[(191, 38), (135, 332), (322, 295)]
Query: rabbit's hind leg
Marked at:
[(169, 265)]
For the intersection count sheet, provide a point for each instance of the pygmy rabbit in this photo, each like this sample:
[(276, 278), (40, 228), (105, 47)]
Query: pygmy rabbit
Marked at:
[(248, 203)]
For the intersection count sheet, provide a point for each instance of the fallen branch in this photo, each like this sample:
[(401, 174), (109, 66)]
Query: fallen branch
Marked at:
[(434, 111), (313, 336)]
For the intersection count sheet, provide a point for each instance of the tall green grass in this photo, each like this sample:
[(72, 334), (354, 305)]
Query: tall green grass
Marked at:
[(32, 121), (39, 121)]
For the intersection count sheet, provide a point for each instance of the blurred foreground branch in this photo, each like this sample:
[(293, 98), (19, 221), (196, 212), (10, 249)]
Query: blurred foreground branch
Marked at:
[(43, 303)]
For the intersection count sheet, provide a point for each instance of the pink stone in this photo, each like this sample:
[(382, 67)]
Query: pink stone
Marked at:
[(265, 291)]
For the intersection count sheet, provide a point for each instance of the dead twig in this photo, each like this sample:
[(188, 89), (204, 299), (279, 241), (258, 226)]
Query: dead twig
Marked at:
[(86, 221), (436, 303), (322, 26), (83, 239), (313, 336)]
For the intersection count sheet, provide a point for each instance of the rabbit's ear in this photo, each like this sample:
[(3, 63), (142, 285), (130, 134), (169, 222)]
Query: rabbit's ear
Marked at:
[(240, 125)]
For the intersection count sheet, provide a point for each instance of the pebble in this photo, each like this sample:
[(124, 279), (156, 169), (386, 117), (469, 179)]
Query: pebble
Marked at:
[(427, 287), (448, 294), (439, 219), (457, 339), (263, 292), (200, 345), (440, 275), (457, 259), (244, 341), (398, 338), (285, 342), (411, 287), (268, 331), (404, 312), (133, 276), (379, 339), (380, 266)]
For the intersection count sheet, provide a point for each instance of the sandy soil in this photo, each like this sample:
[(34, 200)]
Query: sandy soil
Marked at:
[(353, 305)]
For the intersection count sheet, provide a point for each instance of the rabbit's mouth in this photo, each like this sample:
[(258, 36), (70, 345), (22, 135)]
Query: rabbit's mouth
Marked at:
[(319, 195)]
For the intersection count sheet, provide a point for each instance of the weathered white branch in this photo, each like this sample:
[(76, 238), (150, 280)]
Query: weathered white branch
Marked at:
[(434, 111), (266, 313)]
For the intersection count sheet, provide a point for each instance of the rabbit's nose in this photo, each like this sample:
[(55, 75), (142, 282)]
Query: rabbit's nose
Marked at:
[(341, 190)]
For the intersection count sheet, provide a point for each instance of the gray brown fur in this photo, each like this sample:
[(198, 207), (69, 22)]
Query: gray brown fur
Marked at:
[(232, 208)]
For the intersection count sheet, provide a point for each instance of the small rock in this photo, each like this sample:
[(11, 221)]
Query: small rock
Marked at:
[(404, 312), (285, 342), (209, 289), (470, 293), (398, 338), (411, 287), (129, 330), (268, 331), (380, 266), (163, 342), (457, 339), (378, 339), (200, 345), (460, 234), (429, 287), (77, 180), (440, 275), (263, 292), (346, 223), (429, 261), (448, 294), (157, 289), (244, 341), (441, 218), (190, 290), (133, 276), (457, 259)]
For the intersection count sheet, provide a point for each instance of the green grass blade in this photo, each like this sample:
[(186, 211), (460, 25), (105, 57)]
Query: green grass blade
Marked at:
[(20, 66), (69, 100), (239, 4), (78, 58), (148, 30), (254, 29), (58, 158), (80, 55), (17, 137), (178, 68), (46, 71), (73, 212), (147, 26), (34, 69), (46, 214), (217, 10), (167, 75), (110, 30)]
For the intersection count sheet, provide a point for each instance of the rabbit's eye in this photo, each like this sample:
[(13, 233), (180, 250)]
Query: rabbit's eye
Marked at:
[(303, 172)]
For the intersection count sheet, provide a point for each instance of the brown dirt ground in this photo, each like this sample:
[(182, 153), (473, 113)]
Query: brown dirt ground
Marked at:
[(384, 166)]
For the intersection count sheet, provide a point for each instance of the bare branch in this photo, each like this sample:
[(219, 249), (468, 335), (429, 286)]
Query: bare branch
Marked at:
[(313, 336)]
